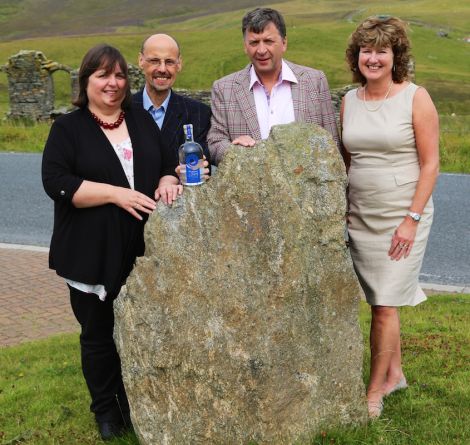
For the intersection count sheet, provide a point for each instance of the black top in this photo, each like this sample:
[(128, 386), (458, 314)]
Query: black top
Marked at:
[(182, 110), (98, 245)]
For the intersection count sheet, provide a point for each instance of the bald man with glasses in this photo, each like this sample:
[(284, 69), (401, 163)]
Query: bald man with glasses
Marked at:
[(160, 60)]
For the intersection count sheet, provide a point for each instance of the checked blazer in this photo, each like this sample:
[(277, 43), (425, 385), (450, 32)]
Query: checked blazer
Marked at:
[(234, 109), (182, 110)]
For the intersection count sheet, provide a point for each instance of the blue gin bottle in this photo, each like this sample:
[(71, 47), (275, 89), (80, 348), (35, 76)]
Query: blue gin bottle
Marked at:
[(191, 158)]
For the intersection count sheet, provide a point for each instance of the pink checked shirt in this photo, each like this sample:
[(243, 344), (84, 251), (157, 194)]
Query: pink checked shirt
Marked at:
[(277, 107)]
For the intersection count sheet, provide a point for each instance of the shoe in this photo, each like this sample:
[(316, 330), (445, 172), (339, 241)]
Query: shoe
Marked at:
[(375, 408), (110, 430), (400, 385)]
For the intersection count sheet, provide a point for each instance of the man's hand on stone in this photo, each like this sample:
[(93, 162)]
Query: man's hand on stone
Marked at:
[(245, 141)]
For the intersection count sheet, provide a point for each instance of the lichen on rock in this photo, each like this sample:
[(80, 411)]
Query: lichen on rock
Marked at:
[(240, 323)]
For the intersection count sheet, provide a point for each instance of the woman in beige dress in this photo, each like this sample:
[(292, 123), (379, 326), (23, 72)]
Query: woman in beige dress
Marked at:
[(391, 149)]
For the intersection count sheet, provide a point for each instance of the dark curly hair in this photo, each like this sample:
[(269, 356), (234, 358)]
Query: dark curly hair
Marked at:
[(380, 32), (100, 57)]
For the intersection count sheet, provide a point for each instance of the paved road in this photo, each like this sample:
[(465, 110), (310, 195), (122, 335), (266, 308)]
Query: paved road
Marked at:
[(447, 258), (25, 209), (26, 218)]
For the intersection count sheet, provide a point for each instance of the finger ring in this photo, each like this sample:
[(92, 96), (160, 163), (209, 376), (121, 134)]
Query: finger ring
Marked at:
[(402, 245)]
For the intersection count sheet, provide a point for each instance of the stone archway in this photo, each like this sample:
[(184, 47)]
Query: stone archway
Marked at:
[(30, 85)]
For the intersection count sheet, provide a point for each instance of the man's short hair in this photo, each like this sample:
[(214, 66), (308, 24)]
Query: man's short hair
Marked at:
[(256, 20)]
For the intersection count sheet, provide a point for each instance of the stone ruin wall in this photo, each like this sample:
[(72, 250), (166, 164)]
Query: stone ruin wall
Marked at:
[(31, 86)]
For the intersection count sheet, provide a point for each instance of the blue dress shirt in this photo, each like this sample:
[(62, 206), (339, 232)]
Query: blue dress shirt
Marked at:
[(158, 114)]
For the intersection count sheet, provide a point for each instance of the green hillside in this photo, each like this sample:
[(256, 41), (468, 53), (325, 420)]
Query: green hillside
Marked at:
[(212, 44), (212, 47), (45, 18)]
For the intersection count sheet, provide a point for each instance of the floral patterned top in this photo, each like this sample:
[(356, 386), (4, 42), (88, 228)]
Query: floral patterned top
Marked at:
[(125, 154)]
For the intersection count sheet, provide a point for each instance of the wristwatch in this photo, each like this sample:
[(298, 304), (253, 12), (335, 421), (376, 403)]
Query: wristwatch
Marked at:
[(414, 216)]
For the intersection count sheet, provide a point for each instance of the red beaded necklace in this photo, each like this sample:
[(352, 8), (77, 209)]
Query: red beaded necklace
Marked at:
[(107, 126)]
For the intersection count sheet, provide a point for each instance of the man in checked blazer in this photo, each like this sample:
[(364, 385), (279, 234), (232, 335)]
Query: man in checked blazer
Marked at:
[(161, 61), (269, 91)]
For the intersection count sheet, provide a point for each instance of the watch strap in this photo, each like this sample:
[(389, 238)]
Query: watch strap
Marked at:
[(414, 216)]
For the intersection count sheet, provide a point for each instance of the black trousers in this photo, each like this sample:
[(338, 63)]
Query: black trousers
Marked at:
[(101, 364)]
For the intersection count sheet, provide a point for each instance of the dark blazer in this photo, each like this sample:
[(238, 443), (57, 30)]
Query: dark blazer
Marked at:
[(98, 245), (183, 110)]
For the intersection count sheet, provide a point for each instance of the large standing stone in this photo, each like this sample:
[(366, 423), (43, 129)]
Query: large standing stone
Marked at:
[(241, 322)]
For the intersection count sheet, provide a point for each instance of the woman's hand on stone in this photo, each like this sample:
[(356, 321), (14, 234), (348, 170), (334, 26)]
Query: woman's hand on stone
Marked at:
[(168, 192)]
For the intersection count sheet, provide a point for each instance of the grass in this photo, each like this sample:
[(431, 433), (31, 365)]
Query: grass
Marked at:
[(455, 143), (43, 399), (23, 137)]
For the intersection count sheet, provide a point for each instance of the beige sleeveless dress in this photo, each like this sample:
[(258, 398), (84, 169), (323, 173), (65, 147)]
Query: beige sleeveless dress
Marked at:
[(382, 180)]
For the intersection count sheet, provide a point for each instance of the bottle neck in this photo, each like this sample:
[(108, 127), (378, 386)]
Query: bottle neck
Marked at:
[(188, 132)]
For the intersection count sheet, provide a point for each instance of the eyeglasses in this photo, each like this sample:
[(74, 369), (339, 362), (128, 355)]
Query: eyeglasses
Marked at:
[(170, 63)]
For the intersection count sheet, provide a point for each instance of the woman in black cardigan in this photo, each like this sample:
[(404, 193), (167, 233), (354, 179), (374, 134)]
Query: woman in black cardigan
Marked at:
[(104, 166)]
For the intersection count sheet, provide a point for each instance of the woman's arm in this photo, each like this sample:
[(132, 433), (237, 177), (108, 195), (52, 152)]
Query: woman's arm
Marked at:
[(343, 151), (426, 129), (58, 159), (62, 184), (93, 194)]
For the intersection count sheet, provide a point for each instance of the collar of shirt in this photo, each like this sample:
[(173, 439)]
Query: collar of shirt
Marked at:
[(286, 75), (275, 107), (158, 114)]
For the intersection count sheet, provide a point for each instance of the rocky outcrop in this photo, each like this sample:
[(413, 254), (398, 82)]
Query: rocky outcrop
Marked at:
[(241, 322)]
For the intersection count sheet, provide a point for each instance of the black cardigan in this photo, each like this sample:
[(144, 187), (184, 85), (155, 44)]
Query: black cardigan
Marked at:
[(98, 245)]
